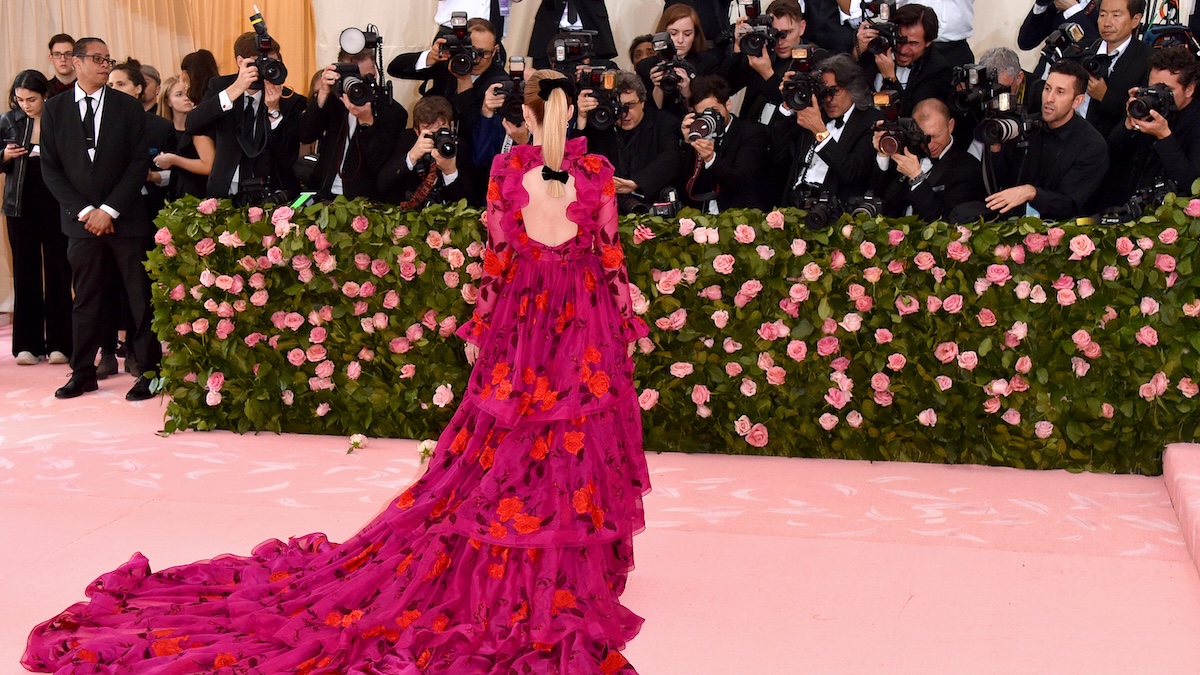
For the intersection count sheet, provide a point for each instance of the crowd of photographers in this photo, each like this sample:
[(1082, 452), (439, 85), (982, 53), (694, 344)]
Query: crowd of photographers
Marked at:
[(872, 106)]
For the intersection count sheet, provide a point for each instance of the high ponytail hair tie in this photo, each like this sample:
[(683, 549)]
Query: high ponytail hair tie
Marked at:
[(549, 84)]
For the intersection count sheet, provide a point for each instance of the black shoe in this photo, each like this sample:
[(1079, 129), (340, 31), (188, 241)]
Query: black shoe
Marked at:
[(107, 365), (121, 350), (141, 390), (132, 366), (78, 385)]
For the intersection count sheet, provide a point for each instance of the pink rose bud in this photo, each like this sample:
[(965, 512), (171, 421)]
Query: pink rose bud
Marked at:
[(927, 417), (1043, 429), (828, 421)]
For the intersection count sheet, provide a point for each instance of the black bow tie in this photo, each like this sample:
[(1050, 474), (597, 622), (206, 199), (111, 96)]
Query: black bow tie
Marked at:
[(839, 122)]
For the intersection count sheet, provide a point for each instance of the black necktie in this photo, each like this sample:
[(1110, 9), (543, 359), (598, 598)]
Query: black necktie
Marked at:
[(572, 15), (89, 123), (248, 119)]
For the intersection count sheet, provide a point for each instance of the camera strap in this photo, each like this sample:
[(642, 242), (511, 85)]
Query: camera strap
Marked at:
[(704, 196), (422, 192)]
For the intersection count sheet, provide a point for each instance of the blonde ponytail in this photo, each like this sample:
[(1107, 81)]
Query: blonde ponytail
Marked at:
[(551, 114)]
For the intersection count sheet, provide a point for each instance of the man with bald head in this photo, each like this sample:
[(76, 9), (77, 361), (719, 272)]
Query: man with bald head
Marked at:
[(929, 182)]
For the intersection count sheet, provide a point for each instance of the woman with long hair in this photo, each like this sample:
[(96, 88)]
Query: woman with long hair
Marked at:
[(198, 68), (41, 273), (669, 81), (510, 554), (192, 160)]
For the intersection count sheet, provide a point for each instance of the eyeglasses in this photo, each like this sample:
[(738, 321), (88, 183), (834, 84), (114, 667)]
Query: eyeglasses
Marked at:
[(100, 59), (60, 56)]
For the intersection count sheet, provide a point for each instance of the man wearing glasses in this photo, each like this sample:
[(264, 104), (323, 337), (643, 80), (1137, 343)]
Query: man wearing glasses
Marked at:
[(61, 46), (94, 160)]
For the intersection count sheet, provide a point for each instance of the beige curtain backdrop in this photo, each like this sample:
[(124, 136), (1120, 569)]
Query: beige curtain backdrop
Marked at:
[(160, 32)]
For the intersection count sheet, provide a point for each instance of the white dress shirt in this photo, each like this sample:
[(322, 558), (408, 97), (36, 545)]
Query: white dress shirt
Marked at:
[(1082, 110), (97, 97), (817, 168), (955, 18)]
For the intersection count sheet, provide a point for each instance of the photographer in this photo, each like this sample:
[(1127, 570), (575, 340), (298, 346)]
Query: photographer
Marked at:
[(1166, 146), (903, 62), (668, 75), (836, 21), (827, 144), (1025, 87), (356, 140), (1119, 64), (255, 124), (642, 146), (557, 16), (761, 72), (929, 183), (721, 160), (1062, 165), (425, 169), (1047, 15)]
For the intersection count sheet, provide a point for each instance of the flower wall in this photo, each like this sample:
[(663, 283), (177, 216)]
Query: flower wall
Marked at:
[(1022, 343)]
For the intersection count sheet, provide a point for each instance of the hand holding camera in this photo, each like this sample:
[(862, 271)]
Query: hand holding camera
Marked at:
[(1148, 108), (247, 77)]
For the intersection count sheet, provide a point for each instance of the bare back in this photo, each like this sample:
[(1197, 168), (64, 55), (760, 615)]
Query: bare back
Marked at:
[(545, 217)]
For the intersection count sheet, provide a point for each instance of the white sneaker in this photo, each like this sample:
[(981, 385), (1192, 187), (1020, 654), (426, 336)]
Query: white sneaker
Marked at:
[(26, 359), (58, 358)]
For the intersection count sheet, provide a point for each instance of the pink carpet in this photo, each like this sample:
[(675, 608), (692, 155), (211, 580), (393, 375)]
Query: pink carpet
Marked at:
[(748, 565)]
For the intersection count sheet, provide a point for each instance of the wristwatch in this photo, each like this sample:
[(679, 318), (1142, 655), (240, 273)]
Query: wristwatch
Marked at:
[(274, 114), (821, 136)]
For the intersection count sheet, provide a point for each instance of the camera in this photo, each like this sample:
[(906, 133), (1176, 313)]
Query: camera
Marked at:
[(799, 89), (445, 142), (878, 14), (975, 88), (1010, 126), (667, 205), (1096, 64), (270, 69), (513, 91), (457, 46), (867, 205), (881, 9), (570, 49), (760, 35), (825, 210), (903, 134), (709, 124), (360, 89), (603, 83), (1157, 97), (1136, 206), (1063, 43), (670, 61)]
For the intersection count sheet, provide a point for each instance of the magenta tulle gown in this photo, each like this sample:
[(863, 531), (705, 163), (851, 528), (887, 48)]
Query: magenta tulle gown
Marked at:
[(508, 556)]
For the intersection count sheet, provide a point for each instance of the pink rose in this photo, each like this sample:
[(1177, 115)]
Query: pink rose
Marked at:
[(880, 382), (938, 274), (837, 260), (1106, 409), (1147, 336), (958, 251), (1035, 242), (1024, 364), (1164, 262), (764, 361), (1124, 246), (296, 357), (407, 371), (723, 264), (775, 220), (1192, 308), (883, 336), (317, 335), (1135, 258), (827, 421), (733, 369), (1081, 247), (851, 322), (811, 272), (686, 225), (1012, 416), (447, 326), (730, 346), (206, 246), (1193, 208), (827, 345), (1148, 306), (293, 320), (1043, 429), (391, 300), (720, 318), (872, 275), (1038, 295), (1188, 388), (768, 331), (799, 247), (1086, 289), (867, 250), (1054, 235), (987, 318), (854, 419), (324, 369), (896, 361), (776, 376), (981, 286), (748, 387), (1092, 351), (1080, 366), (883, 398), (444, 394), (200, 326), (682, 369), (700, 394), (207, 207), (1063, 281), (943, 382), (992, 405), (968, 360), (380, 267), (1066, 297), (925, 261), (907, 304), (434, 240), (998, 274), (933, 303), (895, 237), (315, 353), (927, 417), (864, 304), (896, 266), (757, 436), (946, 352), (360, 224), (764, 252), (744, 234), (1170, 235), (742, 425), (797, 350), (1018, 254), (1145, 243), (953, 303)]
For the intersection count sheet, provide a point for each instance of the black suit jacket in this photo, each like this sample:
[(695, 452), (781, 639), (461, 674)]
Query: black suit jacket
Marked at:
[(825, 25), (929, 77), (283, 142), (160, 137), (1137, 160), (850, 158), (737, 176), (369, 148), (592, 13), (115, 177), (1131, 70), (1037, 27), (954, 179), (397, 183), (714, 16), (648, 154)]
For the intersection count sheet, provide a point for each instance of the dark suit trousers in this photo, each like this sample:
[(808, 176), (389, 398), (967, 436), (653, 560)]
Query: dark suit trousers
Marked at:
[(90, 261), (41, 313)]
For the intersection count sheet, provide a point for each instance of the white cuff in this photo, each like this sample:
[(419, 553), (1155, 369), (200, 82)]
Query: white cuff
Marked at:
[(164, 178), (1074, 10), (710, 162), (423, 59), (449, 178), (226, 104), (110, 211), (882, 161), (86, 210)]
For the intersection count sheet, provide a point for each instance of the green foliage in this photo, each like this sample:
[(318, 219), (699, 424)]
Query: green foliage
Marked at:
[(1066, 376)]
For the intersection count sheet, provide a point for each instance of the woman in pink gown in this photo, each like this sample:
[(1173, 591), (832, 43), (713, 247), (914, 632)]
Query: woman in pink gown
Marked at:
[(509, 555)]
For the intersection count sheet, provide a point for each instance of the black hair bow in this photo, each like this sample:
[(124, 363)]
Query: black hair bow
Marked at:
[(549, 84), (551, 174)]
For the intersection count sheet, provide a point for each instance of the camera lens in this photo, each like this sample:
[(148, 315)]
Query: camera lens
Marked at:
[(1138, 109), (1000, 130), (461, 64), (889, 143), (357, 91)]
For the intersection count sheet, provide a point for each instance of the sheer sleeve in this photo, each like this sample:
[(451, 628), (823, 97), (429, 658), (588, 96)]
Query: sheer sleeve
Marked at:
[(612, 259), (499, 262)]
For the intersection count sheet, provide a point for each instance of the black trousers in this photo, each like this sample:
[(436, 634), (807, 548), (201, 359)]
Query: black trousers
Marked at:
[(90, 261), (41, 282)]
